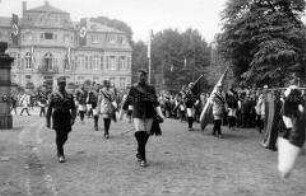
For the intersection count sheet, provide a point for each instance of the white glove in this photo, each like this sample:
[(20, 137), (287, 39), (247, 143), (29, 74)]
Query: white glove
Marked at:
[(159, 112)]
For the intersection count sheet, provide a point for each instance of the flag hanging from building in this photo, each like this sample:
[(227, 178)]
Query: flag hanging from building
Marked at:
[(32, 57), (68, 58), (15, 29), (83, 32)]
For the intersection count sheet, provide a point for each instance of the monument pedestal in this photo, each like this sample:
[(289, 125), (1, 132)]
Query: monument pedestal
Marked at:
[(6, 120)]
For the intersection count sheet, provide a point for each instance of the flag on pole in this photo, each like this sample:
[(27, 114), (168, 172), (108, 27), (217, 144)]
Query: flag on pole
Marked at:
[(149, 43), (221, 80), (206, 113), (32, 57), (83, 32), (15, 31), (68, 59)]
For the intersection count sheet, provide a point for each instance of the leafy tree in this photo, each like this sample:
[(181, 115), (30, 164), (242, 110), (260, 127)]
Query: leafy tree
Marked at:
[(264, 39), (179, 57), (139, 59)]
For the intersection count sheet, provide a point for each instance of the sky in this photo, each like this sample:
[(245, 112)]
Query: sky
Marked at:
[(140, 15)]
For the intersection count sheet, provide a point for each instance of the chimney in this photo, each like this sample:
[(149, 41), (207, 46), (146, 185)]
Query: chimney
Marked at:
[(24, 7)]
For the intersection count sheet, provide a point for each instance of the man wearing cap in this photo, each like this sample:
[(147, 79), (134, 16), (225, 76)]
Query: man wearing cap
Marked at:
[(143, 98), (190, 100), (63, 111), (219, 110)]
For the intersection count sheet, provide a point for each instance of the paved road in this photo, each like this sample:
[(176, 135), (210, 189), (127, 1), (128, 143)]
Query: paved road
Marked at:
[(180, 163)]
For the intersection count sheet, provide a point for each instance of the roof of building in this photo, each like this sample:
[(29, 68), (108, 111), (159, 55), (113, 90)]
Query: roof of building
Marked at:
[(47, 8), (97, 27)]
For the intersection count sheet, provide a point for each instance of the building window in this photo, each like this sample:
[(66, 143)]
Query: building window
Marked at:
[(48, 61), (111, 64), (129, 62), (81, 61), (96, 62), (94, 39), (76, 63), (86, 62), (28, 59), (90, 62), (111, 38), (101, 63), (81, 79), (122, 63), (48, 35)]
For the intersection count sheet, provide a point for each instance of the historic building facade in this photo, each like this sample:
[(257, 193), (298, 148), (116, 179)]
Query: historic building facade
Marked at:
[(46, 44)]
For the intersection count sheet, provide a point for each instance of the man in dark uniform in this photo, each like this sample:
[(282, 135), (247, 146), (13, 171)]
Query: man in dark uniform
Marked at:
[(93, 101), (190, 100), (143, 98), (63, 111)]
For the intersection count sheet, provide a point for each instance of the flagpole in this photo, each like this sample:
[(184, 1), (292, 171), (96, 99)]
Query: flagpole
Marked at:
[(149, 55)]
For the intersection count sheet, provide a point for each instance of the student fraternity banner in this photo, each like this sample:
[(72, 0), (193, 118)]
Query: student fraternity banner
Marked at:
[(15, 30), (83, 32), (206, 114)]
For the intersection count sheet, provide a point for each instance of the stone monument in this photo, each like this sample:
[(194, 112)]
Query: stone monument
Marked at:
[(6, 120)]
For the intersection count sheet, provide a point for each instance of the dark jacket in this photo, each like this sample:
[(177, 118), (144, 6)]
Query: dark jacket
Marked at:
[(296, 134), (144, 100), (62, 109)]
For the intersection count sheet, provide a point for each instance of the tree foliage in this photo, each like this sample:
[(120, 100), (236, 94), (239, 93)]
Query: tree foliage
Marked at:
[(264, 39), (179, 58), (139, 59)]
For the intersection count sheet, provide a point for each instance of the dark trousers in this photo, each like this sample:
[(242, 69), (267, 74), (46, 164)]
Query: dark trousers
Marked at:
[(42, 111), (142, 139), (231, 121), (25, 109), (245, 120), (82, 114), (61, 138), (190, 122), (107, 123), (96, 120), (217, 127)]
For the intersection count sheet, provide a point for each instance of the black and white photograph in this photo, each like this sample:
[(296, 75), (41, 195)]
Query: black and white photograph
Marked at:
[(152, 97)]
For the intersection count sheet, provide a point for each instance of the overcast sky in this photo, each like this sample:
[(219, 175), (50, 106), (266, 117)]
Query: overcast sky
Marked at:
[(140, 15)]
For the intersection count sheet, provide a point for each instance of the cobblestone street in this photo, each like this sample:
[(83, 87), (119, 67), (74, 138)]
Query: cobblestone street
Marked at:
[(180, 163)]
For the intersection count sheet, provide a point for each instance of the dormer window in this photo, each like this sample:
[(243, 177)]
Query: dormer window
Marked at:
[(47, 36)]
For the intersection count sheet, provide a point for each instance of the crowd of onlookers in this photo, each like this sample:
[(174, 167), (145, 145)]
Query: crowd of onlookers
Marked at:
[(246, 101), (248, 104)]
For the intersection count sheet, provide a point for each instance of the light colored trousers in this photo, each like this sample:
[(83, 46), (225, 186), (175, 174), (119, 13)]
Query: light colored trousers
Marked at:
[(143, 124)]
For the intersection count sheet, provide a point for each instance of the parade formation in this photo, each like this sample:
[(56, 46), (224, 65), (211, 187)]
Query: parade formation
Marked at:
[(250, 90)]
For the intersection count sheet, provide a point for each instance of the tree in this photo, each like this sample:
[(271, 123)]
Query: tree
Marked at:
[(139, 59), (179, 57), (264, 39)]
